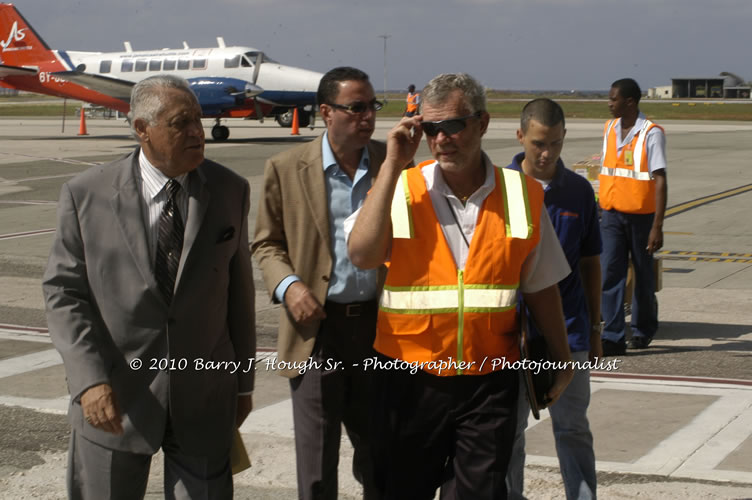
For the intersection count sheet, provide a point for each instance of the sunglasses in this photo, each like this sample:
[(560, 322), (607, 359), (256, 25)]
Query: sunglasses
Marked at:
[(358, 107), (449, 127)]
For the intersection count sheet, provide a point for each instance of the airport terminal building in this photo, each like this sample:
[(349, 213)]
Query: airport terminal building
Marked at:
[(725, 86)]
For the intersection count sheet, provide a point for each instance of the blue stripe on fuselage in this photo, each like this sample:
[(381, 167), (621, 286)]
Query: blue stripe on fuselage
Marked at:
[(66, 59), (289, 97)]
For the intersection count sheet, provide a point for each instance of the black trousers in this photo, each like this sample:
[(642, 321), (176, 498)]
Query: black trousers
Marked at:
[(331, 394), (450, 432)]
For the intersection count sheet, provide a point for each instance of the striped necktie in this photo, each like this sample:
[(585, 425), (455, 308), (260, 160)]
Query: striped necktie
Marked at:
[(170, 242)]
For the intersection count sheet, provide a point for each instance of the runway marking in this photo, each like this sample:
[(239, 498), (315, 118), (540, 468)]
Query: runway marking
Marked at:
[(683, 207), (699, 256), (29, 362), (27, 202), (62, 160), (26, 234), (39, 178)]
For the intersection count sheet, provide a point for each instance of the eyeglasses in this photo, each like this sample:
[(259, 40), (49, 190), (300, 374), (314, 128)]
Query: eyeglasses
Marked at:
[(449, 127), (359, 107)]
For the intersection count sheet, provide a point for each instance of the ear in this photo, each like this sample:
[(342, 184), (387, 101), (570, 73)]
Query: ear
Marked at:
[(140, 126), (520, 135), (325, 111), (484, 119)]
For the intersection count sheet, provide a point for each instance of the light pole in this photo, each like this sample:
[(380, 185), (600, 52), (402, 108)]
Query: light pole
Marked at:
[(385, 37)]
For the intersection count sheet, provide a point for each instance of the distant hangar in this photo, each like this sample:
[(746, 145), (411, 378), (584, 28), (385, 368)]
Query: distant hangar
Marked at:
[(725, 86)]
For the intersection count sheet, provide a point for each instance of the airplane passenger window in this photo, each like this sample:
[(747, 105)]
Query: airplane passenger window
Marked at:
[(104, 66), (126, 66), (184, 63), (199, 64), (140, 65), (155, 65), (232, 62), (169, 65)]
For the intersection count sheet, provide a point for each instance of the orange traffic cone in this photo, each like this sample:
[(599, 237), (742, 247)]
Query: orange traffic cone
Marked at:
[(82, 126), (295, 127)]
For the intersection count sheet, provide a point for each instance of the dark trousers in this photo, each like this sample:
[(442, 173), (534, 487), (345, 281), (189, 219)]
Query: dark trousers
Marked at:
[(99, 473), (336, 393), (450, 432), (626, 235)]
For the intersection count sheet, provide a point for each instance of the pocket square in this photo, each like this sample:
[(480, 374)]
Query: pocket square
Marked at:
[(227, 234)]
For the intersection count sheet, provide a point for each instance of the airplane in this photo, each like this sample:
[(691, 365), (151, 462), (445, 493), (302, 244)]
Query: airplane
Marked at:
[(230, 82)]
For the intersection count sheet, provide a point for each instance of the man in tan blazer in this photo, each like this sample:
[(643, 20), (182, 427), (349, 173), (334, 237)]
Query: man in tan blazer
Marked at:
[(153, 362), (327, 324)]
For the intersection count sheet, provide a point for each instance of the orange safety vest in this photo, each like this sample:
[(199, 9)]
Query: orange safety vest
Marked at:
[(625, 181), (412, 102), (430, 311)]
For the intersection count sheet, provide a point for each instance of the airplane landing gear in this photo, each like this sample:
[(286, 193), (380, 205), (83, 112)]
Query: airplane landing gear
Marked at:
[(220, 132)]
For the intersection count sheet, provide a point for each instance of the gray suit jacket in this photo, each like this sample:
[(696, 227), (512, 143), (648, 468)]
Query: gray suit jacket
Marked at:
[(292, 234), (104, 309)]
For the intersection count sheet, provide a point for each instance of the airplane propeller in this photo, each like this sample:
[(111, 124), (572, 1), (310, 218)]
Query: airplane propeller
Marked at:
[(256, 105)]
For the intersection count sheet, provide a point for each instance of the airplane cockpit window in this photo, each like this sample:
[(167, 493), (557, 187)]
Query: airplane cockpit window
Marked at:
[(254, 54), (184, 63), (155, 65), (232, 62), (199, 64), (105, 66), (169, 65), (126, 66), (140, 65)]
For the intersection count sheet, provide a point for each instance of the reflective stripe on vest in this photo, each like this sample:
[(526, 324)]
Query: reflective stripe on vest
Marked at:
[(631, 173), (516, 203), (446, 299), (402, 220)]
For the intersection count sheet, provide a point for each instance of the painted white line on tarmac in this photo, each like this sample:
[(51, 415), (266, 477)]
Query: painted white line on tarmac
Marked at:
[(29, 362), (668, 455), (57, 405), (26, 234), (716, 449)]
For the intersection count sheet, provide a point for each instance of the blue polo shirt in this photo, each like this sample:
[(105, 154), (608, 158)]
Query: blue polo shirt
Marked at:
[(570, 202)]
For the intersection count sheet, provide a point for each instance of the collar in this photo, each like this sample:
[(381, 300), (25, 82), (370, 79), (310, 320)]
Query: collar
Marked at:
[(154, 180), (328, 159), (638, 124), (558, 173)]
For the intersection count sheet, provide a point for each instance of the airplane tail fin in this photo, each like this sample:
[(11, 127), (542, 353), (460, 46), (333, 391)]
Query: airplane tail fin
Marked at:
[(19, 43)]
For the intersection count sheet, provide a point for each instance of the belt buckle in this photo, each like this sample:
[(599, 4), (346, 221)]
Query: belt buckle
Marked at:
[(353, 310)]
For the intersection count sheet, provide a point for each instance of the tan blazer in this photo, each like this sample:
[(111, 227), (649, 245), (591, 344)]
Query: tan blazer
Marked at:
[(292, 234), (111, 324)]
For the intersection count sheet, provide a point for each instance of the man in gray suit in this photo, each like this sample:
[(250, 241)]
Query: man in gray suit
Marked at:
[(329, 319), (155, 335)]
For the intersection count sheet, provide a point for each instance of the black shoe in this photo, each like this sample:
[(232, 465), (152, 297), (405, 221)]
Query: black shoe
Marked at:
[(639, 342), (613, 348)]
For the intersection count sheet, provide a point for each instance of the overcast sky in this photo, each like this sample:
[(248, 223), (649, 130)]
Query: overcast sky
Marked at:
[(506, 44)]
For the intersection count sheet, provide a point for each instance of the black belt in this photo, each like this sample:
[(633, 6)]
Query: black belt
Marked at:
[(351, 310)]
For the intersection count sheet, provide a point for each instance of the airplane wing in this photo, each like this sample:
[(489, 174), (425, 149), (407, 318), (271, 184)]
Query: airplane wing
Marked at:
[(113, 87), (16, 71)]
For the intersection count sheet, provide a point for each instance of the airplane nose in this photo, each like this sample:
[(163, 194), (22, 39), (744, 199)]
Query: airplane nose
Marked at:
[(252, 90)]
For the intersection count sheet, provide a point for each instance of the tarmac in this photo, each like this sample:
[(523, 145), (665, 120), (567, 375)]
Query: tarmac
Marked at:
[(672, 421)]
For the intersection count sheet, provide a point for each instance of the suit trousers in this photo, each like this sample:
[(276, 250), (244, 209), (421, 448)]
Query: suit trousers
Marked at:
[(452, 432), (334, 390), (625, 236), (99, 473)]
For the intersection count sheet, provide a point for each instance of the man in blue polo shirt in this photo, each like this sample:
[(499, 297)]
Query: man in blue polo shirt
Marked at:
[(570, 202)]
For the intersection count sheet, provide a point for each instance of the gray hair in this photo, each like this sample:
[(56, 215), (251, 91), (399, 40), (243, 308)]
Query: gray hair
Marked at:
[(146, 96), (438, 90)]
